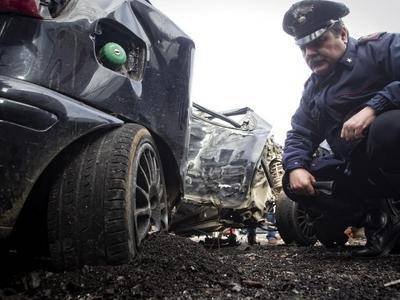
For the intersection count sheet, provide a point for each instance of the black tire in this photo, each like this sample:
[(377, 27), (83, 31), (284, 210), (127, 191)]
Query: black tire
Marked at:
[(108, 197), (294, 223), (330, 233)]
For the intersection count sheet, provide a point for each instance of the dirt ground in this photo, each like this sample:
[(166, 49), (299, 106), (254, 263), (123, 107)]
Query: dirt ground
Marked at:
[(173, 267)]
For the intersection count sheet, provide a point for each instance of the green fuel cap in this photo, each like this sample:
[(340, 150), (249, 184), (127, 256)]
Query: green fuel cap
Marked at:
[(112, 55)]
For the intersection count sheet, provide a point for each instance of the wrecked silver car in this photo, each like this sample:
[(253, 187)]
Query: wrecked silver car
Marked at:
[(233, 175)]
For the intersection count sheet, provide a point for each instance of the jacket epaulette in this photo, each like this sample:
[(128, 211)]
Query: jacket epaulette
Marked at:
[(370, 37)]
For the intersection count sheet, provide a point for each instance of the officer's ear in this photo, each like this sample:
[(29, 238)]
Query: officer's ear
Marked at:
[(344, 35)]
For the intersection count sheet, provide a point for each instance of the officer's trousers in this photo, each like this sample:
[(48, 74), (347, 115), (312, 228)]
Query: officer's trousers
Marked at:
[(363, 178)]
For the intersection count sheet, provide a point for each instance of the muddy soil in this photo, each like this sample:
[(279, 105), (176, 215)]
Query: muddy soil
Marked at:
[(173, 267)]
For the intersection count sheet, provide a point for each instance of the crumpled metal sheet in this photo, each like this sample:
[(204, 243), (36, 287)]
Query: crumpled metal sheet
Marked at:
[(226, 184), (222, 160)]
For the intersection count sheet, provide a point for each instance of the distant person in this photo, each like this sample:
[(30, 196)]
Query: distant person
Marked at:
[(272, 236), (352, 101)]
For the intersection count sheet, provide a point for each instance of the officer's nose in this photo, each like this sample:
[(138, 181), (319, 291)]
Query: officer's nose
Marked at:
[(309, 51)]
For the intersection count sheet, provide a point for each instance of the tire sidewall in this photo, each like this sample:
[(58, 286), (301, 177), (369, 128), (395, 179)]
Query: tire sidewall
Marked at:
[(142, 139)]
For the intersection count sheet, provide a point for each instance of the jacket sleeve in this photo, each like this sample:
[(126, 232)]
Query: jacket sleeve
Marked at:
[(386, 52), (302, 140)]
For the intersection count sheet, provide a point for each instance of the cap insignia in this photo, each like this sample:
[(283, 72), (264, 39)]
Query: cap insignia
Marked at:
[(300, 13)]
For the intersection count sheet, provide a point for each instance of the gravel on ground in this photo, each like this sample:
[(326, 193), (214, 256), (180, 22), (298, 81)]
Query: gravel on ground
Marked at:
[(172, 267)]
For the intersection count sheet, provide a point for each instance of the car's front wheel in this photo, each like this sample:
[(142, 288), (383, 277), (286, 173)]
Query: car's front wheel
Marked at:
[(294, 223), (109, 196)]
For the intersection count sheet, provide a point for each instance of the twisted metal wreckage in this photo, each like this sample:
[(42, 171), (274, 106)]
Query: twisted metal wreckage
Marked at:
[(234, 172)]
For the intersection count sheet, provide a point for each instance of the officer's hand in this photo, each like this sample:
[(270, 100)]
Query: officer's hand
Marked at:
[(353, 128), (302, 182)]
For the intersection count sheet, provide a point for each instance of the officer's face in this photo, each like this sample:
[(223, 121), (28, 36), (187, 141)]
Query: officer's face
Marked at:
[(322, 54)]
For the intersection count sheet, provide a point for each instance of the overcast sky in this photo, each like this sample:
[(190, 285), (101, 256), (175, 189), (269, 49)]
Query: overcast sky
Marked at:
[(244, 58)]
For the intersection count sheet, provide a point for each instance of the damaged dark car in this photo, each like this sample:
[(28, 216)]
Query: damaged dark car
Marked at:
[(94, 110), (100, 143)]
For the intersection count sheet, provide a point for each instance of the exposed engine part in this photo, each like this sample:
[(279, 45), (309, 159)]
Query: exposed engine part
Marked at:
[(277, 173), (272, 155)]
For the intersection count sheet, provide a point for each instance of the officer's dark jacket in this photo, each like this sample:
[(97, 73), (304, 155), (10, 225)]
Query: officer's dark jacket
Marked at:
[(368, 74)]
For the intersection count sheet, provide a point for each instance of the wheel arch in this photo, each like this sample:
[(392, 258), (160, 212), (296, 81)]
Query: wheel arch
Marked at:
[(33, 214), (173, 179), (34, 209)]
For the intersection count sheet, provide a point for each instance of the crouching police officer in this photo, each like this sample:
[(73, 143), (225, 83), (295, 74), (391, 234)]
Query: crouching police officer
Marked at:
[(351, 100)]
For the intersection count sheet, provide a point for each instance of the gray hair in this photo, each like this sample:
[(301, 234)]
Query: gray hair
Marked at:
[(337, 27)]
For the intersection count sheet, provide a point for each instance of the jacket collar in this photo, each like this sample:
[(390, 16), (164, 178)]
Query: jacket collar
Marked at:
[(349, 57)]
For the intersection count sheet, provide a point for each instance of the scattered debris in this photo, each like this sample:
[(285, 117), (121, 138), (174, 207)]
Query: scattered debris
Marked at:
[(252, 283), (172, 267), (236, 287), (392, 283)]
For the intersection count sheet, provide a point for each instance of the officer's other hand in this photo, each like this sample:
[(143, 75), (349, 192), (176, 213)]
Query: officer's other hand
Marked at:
[(354, 127), (302, 182)]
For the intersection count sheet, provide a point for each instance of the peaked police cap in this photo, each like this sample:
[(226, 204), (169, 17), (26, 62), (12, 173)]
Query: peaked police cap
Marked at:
[(307, 20)]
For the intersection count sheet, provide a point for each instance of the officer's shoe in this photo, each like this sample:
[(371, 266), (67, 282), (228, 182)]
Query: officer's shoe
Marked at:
[(381, 230)]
